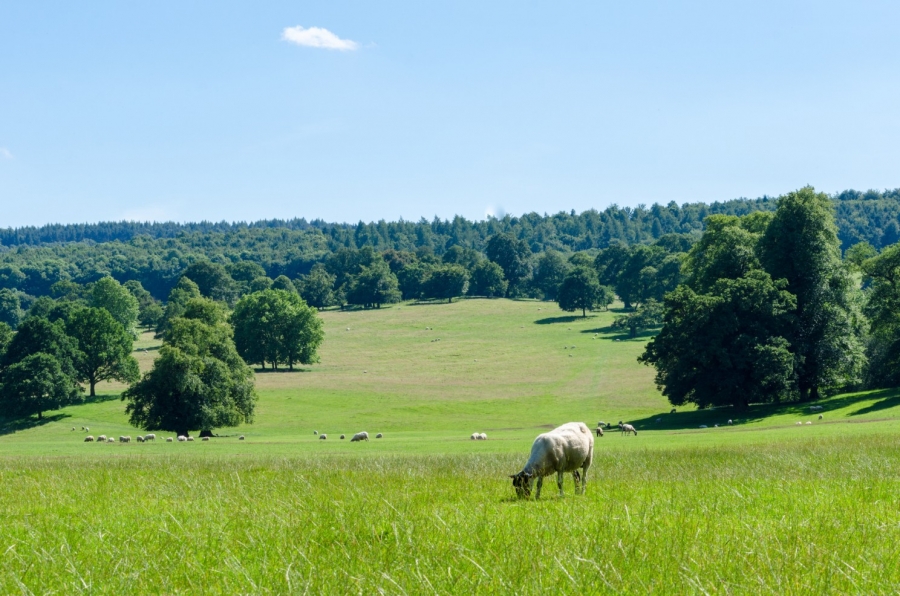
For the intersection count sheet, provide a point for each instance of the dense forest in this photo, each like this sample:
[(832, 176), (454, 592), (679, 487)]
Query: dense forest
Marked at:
[(32, 259)]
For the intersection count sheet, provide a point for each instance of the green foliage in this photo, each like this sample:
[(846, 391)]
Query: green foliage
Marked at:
[(465, 257), (412, 278), (38, 335), (858, 254), (374, 285), (212, 280), (446, 281), (103, 348), (35, 384), (198, 382), (487, 280), (6, 336), (725, 251), (317, 288), (109, 294), (801, 245), (549, 272), (283, 283), (512, 255), (10, 308), (648, 315), (726, 347), (183, 292), (276, 326), (579, 290)]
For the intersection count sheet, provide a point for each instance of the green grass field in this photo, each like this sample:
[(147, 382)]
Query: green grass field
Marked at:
[(764, 506)]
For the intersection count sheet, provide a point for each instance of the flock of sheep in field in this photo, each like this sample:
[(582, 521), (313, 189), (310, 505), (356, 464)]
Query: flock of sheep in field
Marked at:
[(140, 438)]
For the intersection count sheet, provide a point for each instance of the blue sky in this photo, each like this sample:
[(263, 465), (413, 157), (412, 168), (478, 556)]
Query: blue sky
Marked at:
[(215, 110)]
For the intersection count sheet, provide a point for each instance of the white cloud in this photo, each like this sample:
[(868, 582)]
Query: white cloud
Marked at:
[(317, 37), (5, 153)]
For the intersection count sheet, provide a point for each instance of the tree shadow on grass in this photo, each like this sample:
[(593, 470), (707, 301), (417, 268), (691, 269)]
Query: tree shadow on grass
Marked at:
[(613, 334), (269, 371), (100, 398), (756, 413), (9, 427), (566, 319)]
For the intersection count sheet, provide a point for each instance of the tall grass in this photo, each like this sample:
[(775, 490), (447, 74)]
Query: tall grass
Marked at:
[(822, 516)]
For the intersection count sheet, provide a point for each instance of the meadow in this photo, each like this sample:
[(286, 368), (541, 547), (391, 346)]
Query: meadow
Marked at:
[(763, 506)]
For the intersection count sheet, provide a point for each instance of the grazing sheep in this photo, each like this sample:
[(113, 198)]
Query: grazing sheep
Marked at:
[(703, 426), (168, 439), (599, 432), (315, 432), (730, 422), (342, 437), (111, 440), (205, 439), (73, 428), (150, 437), (182, 438), (323, 436), (87, 430), (124, 439), (808, 422), (481, 437), (563, 449), (89, 439), (474, 436), (140, 439), (820, 416), (799, 423), (241, 438), (627, 428), (190, 439), (101, 439), (379, 436), (364, 436)]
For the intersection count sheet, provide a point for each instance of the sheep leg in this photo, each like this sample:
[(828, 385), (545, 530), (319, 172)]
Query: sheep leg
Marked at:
[(540, 483), (583, 478), (559, 483)]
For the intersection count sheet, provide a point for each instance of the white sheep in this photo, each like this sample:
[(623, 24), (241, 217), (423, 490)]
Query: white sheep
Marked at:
[(474, 437), (190, 439), (799, 423), (808, 422), (111, 440), (87, 430), (379, 436), (182, 438), (101, 439), (315, 432), (481, 437), (205, 439), (150, 437), (563, 449), (168, 439), (323, 436), (140, 439), (89, 439), (599, 431), (363, 436), (627, 428), (241, 438), (730, 422), (73, 428)]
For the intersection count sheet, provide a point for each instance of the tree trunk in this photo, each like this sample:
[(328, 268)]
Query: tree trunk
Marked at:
[(40, 416), (93, 382), (814, 393), (291, 365), (583, 313)]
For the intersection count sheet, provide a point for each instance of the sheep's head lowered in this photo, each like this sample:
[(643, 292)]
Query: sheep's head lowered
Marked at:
[(522, 482)]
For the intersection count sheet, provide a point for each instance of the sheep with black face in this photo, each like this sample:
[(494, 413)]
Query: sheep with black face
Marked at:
[(568, 448)]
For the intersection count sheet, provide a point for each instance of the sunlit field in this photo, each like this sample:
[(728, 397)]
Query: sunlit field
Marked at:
[(760, 506)]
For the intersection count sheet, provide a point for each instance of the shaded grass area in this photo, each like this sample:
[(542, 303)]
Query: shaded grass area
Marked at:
[(821, 517)]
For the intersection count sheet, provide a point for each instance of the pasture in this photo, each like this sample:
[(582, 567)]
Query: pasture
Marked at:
[(763, 506)]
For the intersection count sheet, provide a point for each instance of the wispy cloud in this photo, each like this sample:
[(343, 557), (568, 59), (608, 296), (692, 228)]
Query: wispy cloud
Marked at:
[(5, 153), (317, 37)]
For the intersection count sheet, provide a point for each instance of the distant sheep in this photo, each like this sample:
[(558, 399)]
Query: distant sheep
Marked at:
[(124, 439), (323, 436), (73, 428), (567, 448), (363, 436), (241, 438), (342, 437), (481, 437), (730, 422), (87, 430), (799, 423), (89, 439), (315, 432), (474, 436), (101, 439), (111, 440), (599, 432), (627, 428), (205, 439), (140, 439), (168, 439), (380, 436), (808, 422), (182, 438), (820, 416), (190, 439), (672, 411), (150, 437)]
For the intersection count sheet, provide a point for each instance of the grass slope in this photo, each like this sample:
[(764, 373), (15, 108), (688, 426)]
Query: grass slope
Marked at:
[(764, 506)]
